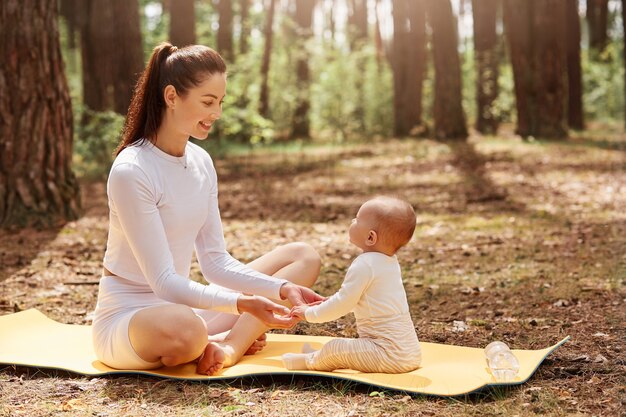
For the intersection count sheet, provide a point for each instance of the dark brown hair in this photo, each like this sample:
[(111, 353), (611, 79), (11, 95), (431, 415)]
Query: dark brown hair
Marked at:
[(182, 68)]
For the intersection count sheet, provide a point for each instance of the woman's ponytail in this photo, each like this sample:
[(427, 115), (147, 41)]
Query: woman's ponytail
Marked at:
[(146, 107)]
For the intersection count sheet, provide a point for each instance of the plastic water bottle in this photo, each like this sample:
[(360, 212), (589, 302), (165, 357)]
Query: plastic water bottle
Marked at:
[(502, 362)]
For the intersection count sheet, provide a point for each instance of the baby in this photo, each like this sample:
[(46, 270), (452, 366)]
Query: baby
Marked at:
[(373, 290)]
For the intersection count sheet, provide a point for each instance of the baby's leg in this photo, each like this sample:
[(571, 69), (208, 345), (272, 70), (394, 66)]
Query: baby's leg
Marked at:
[(359, 354)]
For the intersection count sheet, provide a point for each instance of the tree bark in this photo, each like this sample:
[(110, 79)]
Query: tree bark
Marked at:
[(225, 30), (264, 107), (448, 111), (536, 33), (245, 26), (182, 23), (597, 20), (486, 56), (37, 185), (574, 72), (303, 19), (408, 64)]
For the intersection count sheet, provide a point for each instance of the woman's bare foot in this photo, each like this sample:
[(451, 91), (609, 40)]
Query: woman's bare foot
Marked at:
[(212, 360), (257, 345)]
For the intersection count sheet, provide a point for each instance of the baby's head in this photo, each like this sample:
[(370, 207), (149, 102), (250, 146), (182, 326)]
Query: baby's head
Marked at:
[(383, 224)]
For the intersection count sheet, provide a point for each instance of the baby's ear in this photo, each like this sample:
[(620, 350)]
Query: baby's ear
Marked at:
[(372, 238)]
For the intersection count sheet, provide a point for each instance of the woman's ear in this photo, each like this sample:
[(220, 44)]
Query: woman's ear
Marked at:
[(372, 238), (169, 95)]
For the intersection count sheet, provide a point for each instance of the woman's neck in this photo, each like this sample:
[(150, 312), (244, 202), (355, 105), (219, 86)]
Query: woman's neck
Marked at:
[(169, 139)]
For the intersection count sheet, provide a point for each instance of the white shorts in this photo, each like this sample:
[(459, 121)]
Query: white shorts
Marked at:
[(118, 301)]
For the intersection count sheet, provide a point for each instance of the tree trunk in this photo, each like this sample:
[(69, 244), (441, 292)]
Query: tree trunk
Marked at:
[(303, 19), (110, 72), (536, 33), (129, 59), (225, 30), (448, 109), (597, 19), (245, 26), (574, 72), (486, 55), (97, 45), (182, 23), (67, 10), (37, 185), (264, 108), (408, 64)]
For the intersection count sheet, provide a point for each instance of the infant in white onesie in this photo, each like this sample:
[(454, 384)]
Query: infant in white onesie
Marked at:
[(373, 291)]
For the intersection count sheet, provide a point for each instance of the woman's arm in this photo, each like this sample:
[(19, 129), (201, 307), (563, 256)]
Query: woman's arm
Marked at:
[(218, 266)]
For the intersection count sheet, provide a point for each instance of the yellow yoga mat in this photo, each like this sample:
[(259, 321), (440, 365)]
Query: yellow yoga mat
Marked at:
[(29, 338)]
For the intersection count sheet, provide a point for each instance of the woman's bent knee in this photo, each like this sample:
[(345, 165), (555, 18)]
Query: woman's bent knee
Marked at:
[(308, 257), (174, 335)]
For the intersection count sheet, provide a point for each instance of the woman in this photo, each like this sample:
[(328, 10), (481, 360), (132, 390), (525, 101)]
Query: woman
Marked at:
[(162, 193)]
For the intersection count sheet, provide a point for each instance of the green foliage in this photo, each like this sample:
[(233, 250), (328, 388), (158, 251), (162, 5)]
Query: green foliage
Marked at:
[(96, 135), (603, 84), (352, 96)]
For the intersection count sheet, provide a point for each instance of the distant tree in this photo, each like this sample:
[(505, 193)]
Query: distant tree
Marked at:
[(357, 36), (37, 186), (486, 55), (182, 22), (225, 29), (574, 72), (97, 45), (357, 22), (536, 36), (264, 108), (128, 60), (304, 22), (597, 20), (378, 39), (68, 11), (110, 72), (624, 51), (244, 8), (448, 111), (408, 58)]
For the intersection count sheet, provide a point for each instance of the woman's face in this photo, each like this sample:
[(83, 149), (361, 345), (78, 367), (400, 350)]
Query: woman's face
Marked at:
[(195, 112)]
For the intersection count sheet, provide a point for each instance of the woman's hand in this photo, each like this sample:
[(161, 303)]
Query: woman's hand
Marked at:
[(298, 295), (271, 314)]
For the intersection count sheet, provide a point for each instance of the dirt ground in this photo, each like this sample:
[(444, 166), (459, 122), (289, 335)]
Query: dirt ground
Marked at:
[(518, 241)]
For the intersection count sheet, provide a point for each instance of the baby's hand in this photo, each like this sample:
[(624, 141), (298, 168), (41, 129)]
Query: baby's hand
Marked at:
[(298, 311)]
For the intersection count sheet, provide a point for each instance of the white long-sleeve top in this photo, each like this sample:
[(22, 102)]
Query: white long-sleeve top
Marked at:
[(372, 288), (160, 207)]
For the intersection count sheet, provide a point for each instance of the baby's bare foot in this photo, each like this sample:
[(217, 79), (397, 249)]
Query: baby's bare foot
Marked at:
[(257, 345), (212, 360)]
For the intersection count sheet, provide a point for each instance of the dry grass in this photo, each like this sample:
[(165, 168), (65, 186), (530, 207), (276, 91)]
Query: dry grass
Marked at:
[(525, 242)]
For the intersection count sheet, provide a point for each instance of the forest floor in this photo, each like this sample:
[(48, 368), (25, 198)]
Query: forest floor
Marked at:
[(522, 241)]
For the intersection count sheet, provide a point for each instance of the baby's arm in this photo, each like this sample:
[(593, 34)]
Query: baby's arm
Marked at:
[(343, 301)]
